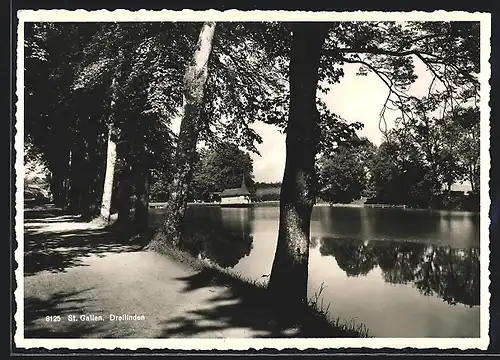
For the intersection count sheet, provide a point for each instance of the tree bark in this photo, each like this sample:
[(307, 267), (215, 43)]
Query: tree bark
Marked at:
[(57, 187), (67, 182), (110, 161), (89, 203), (74, 183), (109, 177), (194, 83), (124, 203), (142, 200), (289, 275), (472, 178)]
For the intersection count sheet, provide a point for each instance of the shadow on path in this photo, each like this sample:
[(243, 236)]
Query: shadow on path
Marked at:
[(43, 212), (244, 305), (56, 244), (53, 219)]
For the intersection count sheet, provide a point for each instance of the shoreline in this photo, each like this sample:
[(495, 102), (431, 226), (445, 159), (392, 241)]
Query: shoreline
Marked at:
[(273, 203)]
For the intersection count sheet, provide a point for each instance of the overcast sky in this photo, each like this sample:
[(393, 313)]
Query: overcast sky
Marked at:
[(355, 98)]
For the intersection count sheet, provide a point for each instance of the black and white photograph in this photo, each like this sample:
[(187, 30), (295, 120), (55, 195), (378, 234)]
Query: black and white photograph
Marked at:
[(252, 179)]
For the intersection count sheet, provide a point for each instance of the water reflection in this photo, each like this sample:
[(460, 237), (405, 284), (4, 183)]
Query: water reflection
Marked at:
[(219, 235), (434, 253), (352, 256), (449, 273)]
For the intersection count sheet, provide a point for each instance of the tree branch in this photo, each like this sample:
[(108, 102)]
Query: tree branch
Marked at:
[(428, 59), (377, 51), (402, 53), (424, 37), (388, 82)]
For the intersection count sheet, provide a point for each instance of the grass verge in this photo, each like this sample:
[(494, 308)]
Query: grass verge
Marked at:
[(311, 320)]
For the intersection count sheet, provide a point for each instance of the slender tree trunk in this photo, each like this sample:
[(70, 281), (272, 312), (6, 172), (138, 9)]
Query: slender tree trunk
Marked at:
[(142, 200), (67, 183), (110, 161), (90, 203), (65, 194), (86, 179), (124, 203), (57, 189), (109, 177), (124, 180), (472, 178), (73, 197), (289, 275), (79, 182), (74, 184), (194, 83), (96, 181)]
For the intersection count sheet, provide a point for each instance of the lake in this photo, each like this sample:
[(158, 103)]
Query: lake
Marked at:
[(401, 272)]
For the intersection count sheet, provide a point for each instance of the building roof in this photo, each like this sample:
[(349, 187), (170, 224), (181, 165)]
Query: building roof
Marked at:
[(235, 192), (241, 191)]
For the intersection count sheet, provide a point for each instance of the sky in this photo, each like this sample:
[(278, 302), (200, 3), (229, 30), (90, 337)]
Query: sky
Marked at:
[(355, 98)]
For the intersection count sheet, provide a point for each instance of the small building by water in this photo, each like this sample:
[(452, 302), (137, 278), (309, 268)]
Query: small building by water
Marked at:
[(236, 196), (458, 188)]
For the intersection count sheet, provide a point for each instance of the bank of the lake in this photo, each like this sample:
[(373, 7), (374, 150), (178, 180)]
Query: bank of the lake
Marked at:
[(386, 268), (311, 320)]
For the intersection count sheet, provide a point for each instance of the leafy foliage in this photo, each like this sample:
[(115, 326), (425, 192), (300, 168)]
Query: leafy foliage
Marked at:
[(344, 174), (245, 85), (70, 99), (220, 167), (129, 76)]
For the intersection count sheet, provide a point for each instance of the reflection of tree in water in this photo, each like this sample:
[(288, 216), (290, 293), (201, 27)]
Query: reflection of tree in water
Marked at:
[(451, 274), (223, 243), (352, 255), (398, 260)]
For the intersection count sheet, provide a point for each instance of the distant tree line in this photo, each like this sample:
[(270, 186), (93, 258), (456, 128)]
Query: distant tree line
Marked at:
[(416, 165)]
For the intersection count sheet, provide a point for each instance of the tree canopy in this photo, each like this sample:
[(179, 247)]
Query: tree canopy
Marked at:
[(222, 166)]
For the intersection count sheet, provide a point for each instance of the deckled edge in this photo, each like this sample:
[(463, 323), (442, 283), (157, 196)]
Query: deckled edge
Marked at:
[(484, 180), (19, 185), (83, 15)]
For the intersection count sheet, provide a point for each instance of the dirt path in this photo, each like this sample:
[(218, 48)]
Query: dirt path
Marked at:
[(78, 276)]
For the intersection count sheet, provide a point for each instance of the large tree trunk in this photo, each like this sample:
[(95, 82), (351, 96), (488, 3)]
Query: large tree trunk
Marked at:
[(289, 275), (194, 83)]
